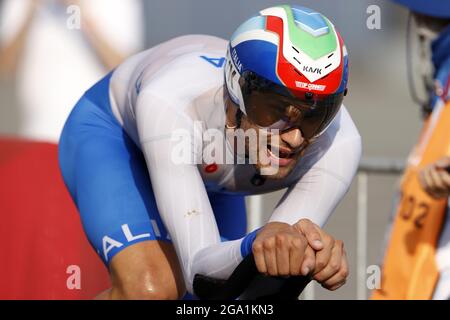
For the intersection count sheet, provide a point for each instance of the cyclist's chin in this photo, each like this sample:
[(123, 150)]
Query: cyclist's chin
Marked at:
[(275, 172)]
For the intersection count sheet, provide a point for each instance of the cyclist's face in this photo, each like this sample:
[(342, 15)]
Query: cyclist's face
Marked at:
[(280, 150), (280, 154)]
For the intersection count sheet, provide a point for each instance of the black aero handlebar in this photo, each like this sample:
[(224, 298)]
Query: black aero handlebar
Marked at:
[(247, 283)]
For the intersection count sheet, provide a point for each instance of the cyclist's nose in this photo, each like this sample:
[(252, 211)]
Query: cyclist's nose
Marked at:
[(293, 138)]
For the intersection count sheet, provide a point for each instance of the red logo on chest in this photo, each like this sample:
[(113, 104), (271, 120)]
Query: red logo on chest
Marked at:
[(211, 168)]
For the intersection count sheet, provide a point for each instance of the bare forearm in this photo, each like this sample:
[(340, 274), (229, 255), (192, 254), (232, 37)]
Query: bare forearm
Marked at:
[(108, 55), (10, 52)]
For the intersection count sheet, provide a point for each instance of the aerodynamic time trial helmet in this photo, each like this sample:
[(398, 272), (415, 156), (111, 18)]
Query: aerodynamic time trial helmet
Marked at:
[(287, 57)]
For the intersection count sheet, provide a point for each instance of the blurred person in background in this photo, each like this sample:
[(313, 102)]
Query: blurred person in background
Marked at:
[(53, 60), (417, 260)]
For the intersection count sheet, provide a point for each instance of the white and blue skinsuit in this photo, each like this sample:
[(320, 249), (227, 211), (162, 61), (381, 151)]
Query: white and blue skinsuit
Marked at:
[(115, 156)]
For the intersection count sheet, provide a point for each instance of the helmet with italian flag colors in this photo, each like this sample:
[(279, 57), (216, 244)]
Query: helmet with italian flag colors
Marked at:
[(287, 67)]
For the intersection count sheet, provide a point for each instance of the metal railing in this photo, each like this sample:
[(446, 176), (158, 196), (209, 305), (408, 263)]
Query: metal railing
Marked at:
[(367, 167)]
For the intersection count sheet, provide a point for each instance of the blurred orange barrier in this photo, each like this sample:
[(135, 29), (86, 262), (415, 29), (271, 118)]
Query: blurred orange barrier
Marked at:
[(409, 269), (44, 253)]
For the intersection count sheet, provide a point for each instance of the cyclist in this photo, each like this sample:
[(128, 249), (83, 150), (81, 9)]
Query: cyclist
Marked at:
[(156, 218)]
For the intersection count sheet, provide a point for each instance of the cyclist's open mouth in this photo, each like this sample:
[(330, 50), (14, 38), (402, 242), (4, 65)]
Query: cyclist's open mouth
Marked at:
[(280, 155)]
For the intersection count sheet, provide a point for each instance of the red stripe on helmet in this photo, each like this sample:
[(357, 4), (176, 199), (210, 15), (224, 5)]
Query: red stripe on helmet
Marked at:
[(288, 74)]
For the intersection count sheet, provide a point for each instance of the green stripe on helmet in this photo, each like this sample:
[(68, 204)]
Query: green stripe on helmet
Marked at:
[(314, 47)]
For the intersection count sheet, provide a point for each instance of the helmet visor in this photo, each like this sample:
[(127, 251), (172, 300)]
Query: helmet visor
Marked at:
[(273, 106)]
